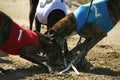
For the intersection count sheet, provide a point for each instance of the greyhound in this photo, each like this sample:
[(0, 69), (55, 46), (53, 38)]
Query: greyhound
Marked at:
[(48, 12), (16, 40), (103, 16)]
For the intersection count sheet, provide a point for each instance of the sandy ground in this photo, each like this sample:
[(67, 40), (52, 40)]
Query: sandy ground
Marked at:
[(105, 56)]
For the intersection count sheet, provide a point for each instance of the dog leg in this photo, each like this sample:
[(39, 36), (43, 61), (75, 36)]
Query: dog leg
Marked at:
[(77, 55), (36, 59), (31, 53), (92, 34)]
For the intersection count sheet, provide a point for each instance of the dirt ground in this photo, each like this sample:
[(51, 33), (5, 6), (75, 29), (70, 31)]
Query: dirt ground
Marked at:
[(104, 57)]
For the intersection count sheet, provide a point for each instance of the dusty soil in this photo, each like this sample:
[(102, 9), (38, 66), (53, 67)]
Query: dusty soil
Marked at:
[(104, 57)]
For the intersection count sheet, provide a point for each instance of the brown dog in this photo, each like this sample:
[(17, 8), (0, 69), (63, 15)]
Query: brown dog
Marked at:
[(16, 40), (104, 14)]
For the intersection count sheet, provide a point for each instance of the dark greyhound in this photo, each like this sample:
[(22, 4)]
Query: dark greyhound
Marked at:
[(47, 12), (16, 40), (103, 16)]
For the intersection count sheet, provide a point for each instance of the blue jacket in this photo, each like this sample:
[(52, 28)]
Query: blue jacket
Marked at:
[(98, 14)]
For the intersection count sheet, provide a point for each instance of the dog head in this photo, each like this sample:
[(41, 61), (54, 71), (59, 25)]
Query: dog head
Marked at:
[(5, 27), (50, 47)]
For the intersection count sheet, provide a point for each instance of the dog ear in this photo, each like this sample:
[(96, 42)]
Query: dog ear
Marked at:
[(44, 40)]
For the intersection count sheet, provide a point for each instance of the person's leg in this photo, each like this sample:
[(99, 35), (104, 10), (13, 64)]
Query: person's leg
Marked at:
[(33, 5)]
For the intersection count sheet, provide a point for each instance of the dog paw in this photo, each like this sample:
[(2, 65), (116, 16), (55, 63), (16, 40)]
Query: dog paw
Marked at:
[(84, 65)]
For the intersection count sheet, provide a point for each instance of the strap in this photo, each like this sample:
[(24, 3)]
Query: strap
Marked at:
[(87, 16), (88, 13)]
